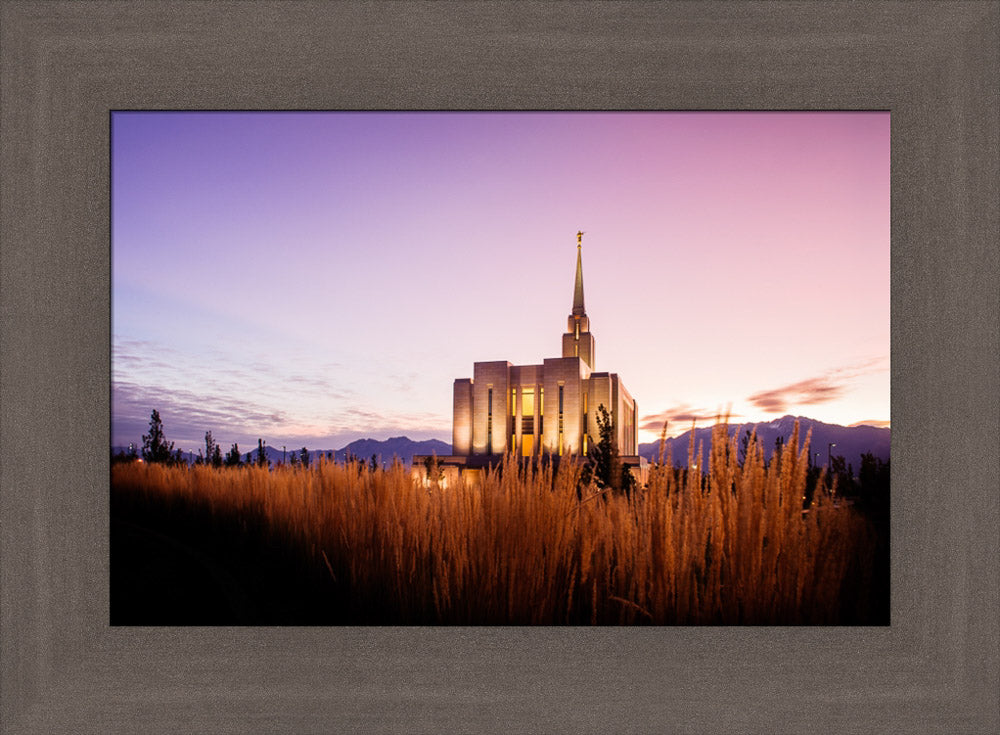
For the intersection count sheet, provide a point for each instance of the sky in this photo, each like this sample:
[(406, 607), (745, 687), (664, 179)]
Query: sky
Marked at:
[(315, 278)]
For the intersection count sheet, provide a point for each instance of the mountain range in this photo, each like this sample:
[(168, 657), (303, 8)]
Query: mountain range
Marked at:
[(398, 446), (850, 441)]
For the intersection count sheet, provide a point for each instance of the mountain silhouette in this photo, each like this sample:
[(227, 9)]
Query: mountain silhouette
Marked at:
[(851, 441), (398, 446)]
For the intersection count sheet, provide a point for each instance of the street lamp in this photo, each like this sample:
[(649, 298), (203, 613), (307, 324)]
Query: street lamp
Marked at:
[(829, 446)]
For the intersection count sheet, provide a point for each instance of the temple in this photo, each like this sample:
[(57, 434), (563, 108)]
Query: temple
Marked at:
[(548, 408)]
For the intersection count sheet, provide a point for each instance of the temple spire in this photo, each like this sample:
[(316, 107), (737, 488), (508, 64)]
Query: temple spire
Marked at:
[(578, 309), (578, 341)]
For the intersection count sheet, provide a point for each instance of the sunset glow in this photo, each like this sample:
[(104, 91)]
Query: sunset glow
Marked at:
[(315, 278)]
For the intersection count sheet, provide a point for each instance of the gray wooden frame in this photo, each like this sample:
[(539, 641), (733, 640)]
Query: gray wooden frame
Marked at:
[(64, 65)]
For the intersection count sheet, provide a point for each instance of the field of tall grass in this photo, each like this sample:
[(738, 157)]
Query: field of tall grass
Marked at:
[(730, 545)]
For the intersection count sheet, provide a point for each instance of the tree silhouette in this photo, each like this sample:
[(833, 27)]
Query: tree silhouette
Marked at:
[(744, 447), (873, 480), (122, 456), (304, 457), (233, 458), (210, 447), (606, 462), (154, 444), (261, 456)]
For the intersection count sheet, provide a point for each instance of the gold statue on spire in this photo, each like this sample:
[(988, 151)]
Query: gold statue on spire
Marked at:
[(578, 309)]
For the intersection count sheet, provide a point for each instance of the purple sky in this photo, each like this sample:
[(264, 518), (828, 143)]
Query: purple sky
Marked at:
[(314, 278)]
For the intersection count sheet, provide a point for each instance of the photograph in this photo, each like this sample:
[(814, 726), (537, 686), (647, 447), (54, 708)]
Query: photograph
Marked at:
[(533, 368)]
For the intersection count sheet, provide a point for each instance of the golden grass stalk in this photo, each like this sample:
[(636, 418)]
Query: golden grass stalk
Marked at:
[(722, 544)]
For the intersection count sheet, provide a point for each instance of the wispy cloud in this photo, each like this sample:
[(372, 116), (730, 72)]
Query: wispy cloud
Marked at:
[(219, 391), (872, 422), (805, 392), (187, 415), (819, 389), (683, 414)]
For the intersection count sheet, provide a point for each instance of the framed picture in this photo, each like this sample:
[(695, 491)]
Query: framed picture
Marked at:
[(65, 67), (291, 292)]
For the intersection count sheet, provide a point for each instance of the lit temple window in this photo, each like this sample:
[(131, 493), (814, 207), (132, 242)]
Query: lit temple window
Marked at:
[(527, 402), (527, 418), (527, 444), (489, 421)]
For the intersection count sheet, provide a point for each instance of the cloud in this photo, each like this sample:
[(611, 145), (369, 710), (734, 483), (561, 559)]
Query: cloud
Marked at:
[(186, 415), (820, 389), (682, 413), (805, 392), (351, 420), (872, 422), (243, 397)]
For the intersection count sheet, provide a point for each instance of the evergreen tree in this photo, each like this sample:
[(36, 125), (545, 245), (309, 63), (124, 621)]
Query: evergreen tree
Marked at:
[(779, 447), (606, 461), (304, 457), (261, 455), (210, 446), (125, 456), (873, 480), (154, 444), (434, 472), (217, 456), (841, 473), (744, 447), (233, 458)]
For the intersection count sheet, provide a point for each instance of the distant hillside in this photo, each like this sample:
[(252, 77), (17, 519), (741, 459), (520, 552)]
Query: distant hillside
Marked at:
[(851, 441), (397, 446)]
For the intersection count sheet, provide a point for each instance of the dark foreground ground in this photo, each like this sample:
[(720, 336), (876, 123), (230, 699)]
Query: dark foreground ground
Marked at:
[(167, 570), (181, 566)]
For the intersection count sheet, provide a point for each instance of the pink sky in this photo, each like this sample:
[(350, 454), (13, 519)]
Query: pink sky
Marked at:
[(314, 278)]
